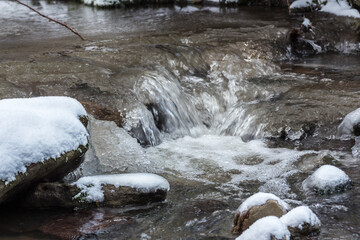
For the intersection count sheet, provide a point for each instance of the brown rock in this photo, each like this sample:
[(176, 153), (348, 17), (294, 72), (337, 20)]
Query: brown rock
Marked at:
[(104, 113), (245, 220)]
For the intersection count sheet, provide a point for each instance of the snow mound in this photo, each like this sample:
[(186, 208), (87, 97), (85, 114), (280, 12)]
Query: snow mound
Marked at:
[(260, 198), (327, 179), (340, 8), (300, 215), (336, 7), (103, 3), (301, 4), (265, 228), (346, 127), (36, 129), (91, 186)]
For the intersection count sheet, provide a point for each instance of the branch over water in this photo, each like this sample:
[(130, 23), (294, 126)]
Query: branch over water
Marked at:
[(53, 20)]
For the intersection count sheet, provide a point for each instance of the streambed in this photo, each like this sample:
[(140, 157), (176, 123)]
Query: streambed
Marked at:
[(206, 97)]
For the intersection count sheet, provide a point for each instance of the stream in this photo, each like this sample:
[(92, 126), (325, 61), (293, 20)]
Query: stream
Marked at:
[(209, 98)]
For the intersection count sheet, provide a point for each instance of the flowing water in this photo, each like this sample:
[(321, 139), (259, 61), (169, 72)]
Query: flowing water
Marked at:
[(210, 98)]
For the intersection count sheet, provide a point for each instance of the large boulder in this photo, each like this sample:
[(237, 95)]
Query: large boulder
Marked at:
[(256, 207), (42, 139), (114, 190)]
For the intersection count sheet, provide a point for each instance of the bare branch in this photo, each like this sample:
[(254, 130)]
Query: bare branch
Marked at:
[(53, 20)]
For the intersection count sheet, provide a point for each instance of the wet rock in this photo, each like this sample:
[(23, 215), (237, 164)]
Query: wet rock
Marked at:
[(49, 170), (301, 222), (64, 195), (327, 179), (104, 113), (311, 161), (256, 207)]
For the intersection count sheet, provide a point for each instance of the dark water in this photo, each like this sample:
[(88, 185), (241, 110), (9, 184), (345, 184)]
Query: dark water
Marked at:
[(225, 89)]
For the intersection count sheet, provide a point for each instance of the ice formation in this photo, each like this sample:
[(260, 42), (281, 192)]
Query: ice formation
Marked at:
[(327, 179), (91, 186), (260, 198), (346, 127), (36, 129), (300, 215), (265, 228)]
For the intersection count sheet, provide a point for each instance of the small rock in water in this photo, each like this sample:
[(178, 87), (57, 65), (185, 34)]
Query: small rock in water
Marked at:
[(301, 222), (327, 179), (255, 207), (115, 190), (350, 125), (267, 228)]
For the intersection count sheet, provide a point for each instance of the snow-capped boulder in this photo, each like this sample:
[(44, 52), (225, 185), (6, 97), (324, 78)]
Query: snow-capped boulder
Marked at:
[(327, 179), (114, 190), (258, 206), (42, 139), (301, 222), (350, 125), (267, 228)]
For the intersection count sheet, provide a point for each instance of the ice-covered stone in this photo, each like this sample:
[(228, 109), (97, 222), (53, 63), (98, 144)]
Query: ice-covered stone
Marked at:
[(350, 125)]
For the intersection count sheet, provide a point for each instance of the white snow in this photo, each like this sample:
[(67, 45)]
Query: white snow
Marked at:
[(91, 186), (260, 198), (300, 215), (306, 23), (327, 178), (340, 8), (337, 7), (301, 4), (36, 129), (264, 228), (104, 3), (346, 126)]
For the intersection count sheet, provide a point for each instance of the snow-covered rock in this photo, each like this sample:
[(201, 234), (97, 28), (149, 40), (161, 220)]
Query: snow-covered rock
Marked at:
[(42, 137), (92, 187), (301, 221), (266, 228), (258, 206), (350, 125), (327, 179), (301, 4)]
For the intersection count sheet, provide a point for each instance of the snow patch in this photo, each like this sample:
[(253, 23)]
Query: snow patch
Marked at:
[(36, 129), (102, 3), (260, 198), (300, 215), (91, 186), (265, 228), (301, 4), (327, 179), (340, 8)]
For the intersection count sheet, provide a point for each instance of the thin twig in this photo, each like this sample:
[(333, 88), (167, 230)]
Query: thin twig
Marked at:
[(51, 19)]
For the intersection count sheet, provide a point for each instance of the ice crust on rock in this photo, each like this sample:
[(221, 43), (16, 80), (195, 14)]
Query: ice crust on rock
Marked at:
[(300, 215), (327, 179), (104, 3), (265, 228), (36, 129), (91, 186), (260, 198), (346, 127), (301, 4)]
